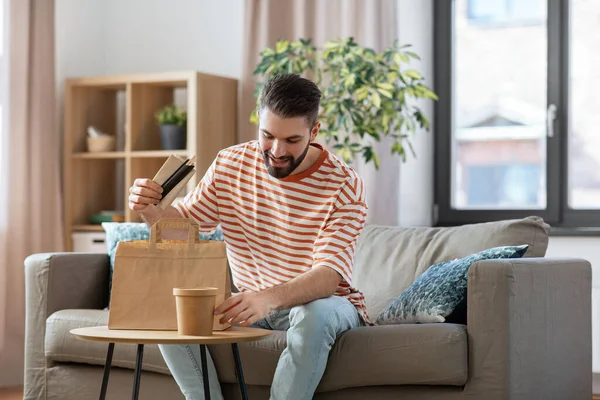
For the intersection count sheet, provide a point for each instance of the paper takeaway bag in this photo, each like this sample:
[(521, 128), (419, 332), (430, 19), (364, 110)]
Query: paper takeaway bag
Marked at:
[(146, 271)]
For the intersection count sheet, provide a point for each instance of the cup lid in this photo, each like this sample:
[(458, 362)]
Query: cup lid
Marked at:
[(202, 291)]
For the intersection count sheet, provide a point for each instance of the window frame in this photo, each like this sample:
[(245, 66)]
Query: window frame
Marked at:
[(557, 212)]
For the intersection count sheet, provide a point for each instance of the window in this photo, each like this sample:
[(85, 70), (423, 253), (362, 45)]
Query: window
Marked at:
[(508, 185), (516, 124), (505, 12)]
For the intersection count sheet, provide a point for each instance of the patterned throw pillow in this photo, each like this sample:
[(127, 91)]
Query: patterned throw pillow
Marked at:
[(435, 294), (128, 231)]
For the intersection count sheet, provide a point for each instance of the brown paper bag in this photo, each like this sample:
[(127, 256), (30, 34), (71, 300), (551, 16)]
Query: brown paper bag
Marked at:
[(146, 271)]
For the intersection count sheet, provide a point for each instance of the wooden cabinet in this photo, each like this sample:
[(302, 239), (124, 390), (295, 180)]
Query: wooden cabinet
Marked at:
[(125, 106)]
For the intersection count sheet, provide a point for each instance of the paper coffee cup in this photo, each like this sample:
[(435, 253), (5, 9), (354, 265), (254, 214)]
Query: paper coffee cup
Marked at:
[(195, 310)]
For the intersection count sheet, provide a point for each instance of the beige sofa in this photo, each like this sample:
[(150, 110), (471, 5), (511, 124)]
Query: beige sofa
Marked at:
[(528, 334)]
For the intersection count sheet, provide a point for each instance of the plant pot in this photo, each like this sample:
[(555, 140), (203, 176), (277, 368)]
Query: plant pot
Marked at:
[(173, 137), (195, 310)]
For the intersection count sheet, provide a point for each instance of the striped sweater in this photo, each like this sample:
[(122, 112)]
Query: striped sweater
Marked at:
[(276, 229)]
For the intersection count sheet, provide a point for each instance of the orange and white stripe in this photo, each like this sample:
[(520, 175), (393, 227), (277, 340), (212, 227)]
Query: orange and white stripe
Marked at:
[(276, 229)]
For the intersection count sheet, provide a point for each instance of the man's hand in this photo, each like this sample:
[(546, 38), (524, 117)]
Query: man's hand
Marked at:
[(144, 193), (245, 308)]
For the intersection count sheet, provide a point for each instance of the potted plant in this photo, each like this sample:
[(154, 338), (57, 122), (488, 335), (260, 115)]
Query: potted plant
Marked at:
[(367, 96), (172, 121)]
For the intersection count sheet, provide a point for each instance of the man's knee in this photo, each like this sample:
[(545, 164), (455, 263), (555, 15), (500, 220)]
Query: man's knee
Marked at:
[(315, 316)]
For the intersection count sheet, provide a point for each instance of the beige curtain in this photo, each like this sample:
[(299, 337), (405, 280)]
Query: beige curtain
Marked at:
[(370, 22), (30, 218)]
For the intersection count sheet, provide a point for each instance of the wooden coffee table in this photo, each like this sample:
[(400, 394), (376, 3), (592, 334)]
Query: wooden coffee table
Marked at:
[(233, 336)]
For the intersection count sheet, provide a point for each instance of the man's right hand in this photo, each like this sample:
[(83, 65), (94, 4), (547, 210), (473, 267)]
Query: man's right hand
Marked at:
[(143, 193)]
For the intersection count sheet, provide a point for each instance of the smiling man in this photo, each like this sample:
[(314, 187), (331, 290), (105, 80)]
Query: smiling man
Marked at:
[(291, 213)]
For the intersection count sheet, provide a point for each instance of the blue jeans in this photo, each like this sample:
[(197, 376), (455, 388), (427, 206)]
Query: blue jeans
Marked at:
[(311, 332)]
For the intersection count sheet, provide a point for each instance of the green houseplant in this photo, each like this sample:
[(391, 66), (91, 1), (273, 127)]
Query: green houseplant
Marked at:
[(367, 96), (172, 121)]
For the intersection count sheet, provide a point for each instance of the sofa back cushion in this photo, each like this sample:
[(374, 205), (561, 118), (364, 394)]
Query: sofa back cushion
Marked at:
[(389, 259)]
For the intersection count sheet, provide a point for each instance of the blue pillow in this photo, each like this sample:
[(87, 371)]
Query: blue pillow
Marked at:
[(129, 231), (435, 294)]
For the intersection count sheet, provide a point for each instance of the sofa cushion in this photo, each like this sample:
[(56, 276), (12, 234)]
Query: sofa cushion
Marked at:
[(389, 259), (432, 354), (61, 346), (440, 290)]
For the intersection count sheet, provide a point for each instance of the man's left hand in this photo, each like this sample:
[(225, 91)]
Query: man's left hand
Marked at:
[(245, 308)]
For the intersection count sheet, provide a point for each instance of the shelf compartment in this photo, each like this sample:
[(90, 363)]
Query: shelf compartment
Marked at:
[(101, 107), (145, 100), (97, 185)]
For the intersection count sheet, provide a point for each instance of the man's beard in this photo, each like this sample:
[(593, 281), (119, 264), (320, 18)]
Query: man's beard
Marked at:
[(282, 172)]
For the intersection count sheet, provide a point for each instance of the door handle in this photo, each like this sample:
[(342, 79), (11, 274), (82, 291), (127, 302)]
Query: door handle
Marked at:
[(550, 118)]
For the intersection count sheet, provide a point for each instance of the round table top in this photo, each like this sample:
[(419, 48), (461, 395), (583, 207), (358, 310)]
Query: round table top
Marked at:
[(234, 334)]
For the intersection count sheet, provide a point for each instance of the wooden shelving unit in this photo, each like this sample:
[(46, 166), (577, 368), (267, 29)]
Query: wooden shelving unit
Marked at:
[(124, 106)]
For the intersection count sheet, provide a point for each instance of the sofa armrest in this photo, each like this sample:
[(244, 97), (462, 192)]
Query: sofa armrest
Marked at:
[(57, 281), (529, 329)]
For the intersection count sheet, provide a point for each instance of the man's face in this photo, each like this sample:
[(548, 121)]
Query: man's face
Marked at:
[(284, 142)]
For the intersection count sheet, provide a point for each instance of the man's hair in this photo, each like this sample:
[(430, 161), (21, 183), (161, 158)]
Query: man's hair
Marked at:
[(291, 96)]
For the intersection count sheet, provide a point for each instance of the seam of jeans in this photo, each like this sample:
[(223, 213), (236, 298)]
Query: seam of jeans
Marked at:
[(188, 348)]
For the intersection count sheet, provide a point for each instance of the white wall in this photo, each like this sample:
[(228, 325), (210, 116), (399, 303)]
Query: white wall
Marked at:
[(135, 36), (79, 30), (581, 247), (162, 35), (415, 26), (79, 43)]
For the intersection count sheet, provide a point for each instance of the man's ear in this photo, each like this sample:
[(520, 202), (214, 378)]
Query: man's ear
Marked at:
[(315, 131)]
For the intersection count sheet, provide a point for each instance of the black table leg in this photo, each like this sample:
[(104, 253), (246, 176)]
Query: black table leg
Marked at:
[(238, 371), (109, 356), (138, 371), (204, 365)]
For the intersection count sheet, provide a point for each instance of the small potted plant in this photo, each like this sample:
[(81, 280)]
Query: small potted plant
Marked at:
[(172, 121)]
